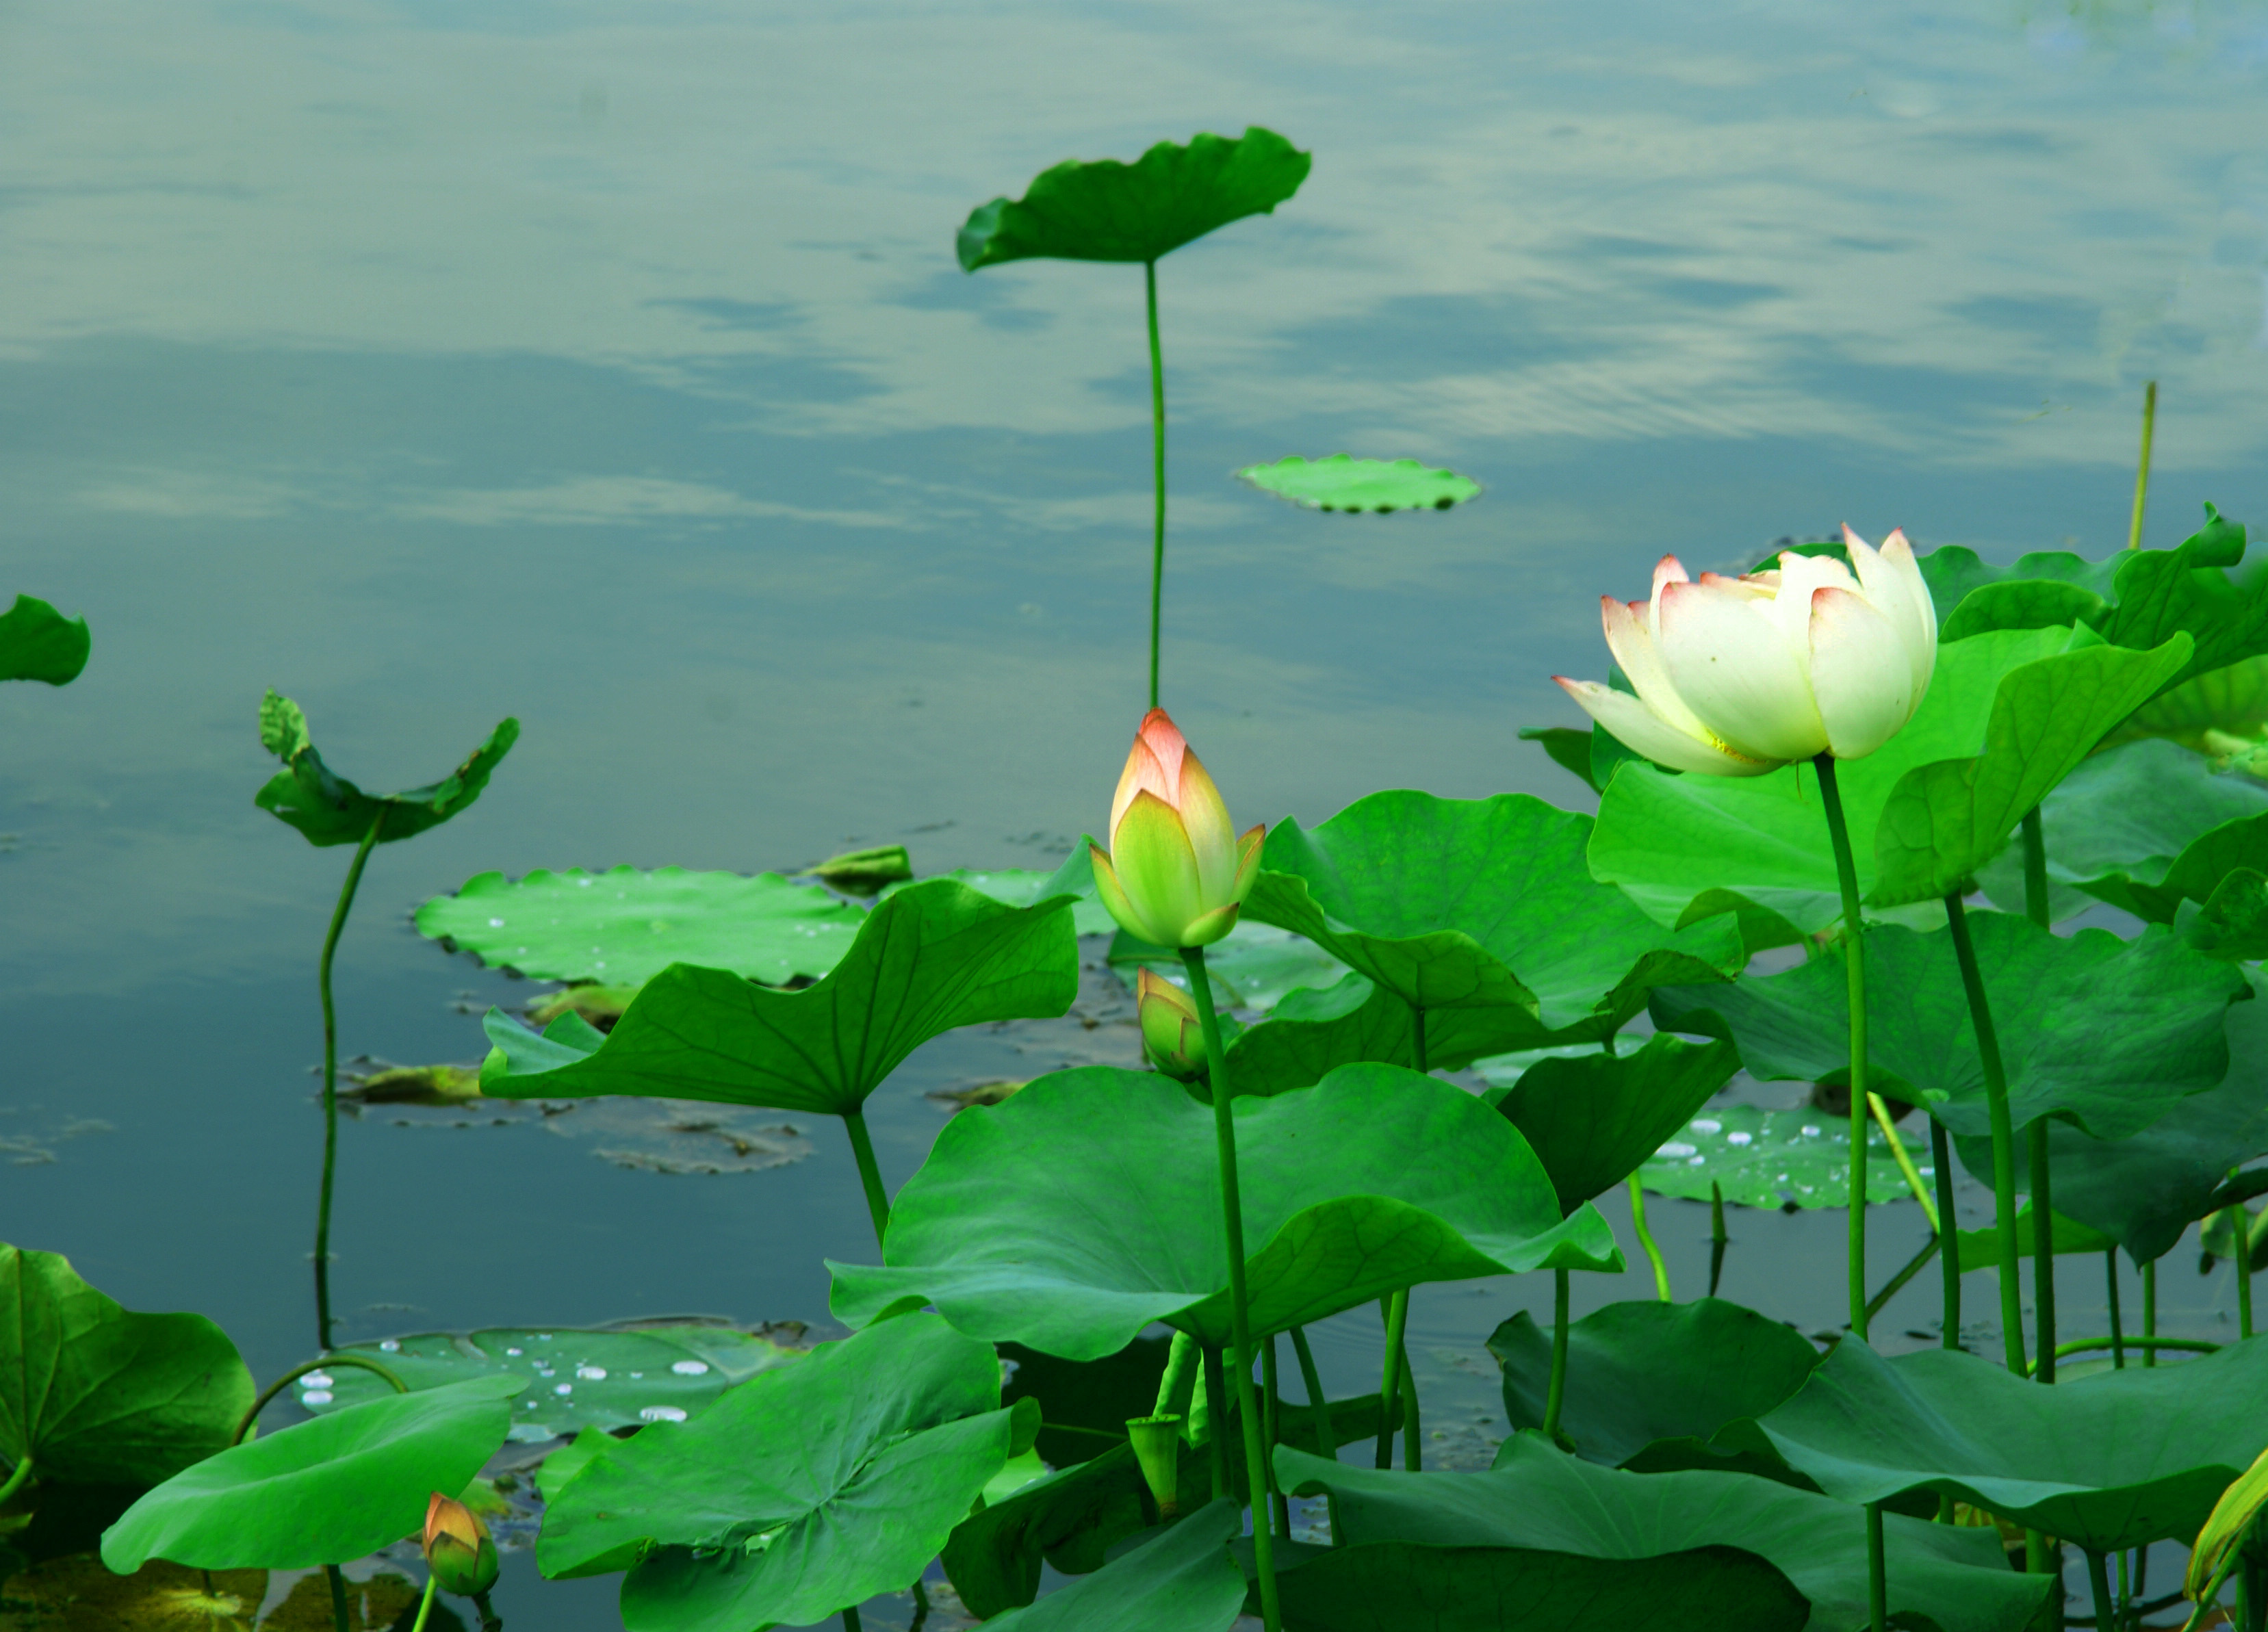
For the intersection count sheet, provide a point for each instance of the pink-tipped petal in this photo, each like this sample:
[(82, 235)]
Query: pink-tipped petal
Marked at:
[(1666, 572), (1145, 773), (1643, 731), (1898, 592), (1158, 870), (1641, 665), (1745, 684), (1790, 607), (1858, 673)]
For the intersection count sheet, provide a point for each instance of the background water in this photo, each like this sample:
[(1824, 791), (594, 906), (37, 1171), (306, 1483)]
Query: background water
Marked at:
[(610, 366)]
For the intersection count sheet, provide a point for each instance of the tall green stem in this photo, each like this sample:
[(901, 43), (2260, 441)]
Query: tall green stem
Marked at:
[(2098, 1578), (870, 1172), (1949, 1229), (2004, 1137), (1216, 1387), (338, 1597), (1395, 1311), (1645, 1239), (850, 1622), (1395, 1378), (2241, 1244), (1326, 1438), (1158, 471), (1878, 1584), (2142, 469), (1272, 1433), (331, 1080), (2117, 1327), (23, 1471), (2150, 1309), (1231, 1212), (1557, 1395), (1854, 959), (1718, 1239), (491, 1622), (2044, 1269), (425, 1603)]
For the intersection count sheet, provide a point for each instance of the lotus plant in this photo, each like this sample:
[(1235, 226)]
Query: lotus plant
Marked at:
[(1173, 1033), (1177, 875), (459, 1556)]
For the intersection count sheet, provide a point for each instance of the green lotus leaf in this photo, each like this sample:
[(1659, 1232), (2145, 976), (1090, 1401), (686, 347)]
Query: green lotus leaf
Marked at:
[(1953, 573), (1183, 1577), (1106, 210), (1343, 483), (1101, 1204), (328, 809), (1256, 967), (1027, 887), (609, 1377), (37, 643), (931, 958), (801, 1490), (322, 1492), (98, 1394), (1649, 1383), (2204, 713), (623, 926), (1085, 1403), (1797, 1158), (2110, 1034), (1980, 1249), (1682, 846), (1758, 1552), (1312, 1033), (1480, 904), (2146, 1189), (1593, 1119), (2115, 1460)]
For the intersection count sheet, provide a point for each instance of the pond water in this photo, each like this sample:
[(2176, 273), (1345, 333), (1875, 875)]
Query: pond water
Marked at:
[(610, 367)]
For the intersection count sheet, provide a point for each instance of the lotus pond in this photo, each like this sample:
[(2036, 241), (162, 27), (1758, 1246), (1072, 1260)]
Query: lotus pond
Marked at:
[(735, 1141)]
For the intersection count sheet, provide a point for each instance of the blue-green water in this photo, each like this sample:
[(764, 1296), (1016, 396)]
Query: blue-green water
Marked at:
[(610, 366)]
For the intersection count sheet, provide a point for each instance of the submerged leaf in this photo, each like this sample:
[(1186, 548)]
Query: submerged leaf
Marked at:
[(1343, 483), (37, 643), (328, 809)]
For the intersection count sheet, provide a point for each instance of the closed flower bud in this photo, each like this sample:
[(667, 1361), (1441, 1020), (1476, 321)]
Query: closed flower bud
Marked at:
[(1173, 1035), (1176, 871), (457, 1549)]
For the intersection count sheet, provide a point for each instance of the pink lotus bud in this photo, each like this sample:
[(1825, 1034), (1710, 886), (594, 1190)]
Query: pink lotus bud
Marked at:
[(457, 1549), (1176, 872)]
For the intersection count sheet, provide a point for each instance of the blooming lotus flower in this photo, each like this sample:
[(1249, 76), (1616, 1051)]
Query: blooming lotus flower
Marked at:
[(1176, 872), (1736, 677), (1172, 1034), (457, 1549)]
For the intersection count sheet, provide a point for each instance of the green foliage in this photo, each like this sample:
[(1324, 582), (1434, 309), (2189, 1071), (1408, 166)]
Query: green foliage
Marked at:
[(613, 1376), (623, 927), (801, 1490), (1069, 1518), (1480, 904), (321, 1492), (1106, 210), (1085, 1403), (931, 958), (1183, 1577), (98, 1394), (1593, 1119), (1797, 1158), (1343, 483), (1559, 1534), (2110, 1034), (328, 809), (1311, 1033), (37, 643), (1649, 1383), (2110, 1460), (1027, 887), (1100, 1209), (2205, 714), (1256, 967), (1980, 1248)]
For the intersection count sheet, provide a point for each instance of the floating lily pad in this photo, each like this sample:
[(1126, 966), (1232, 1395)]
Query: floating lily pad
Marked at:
[(1101, 1204), (746, 1517), (605, 1376), (37, 643), (931, 958), (1182, 1577), (98, 1394), (326, 1491), (1558, 1534), (1593, 1119), (2110, 1460), (1023, 887), (1799, 1159), (328, 809), (2110, 1034), (1344, 482), (1106, 210), (1480, 904), (623, 927), (1256, 967)]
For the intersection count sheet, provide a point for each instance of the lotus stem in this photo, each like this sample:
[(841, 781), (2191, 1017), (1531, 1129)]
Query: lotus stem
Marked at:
[(331, 1080), (2179, 1345), (850, 1622), (1940, 1157), (23, 1471), (2240, 1239), (1906, 1168), (1158, 470), (1413, 1443), (2117, 1331), (1718, 1239), (490, 1620), (1394, 1311), (327, 1363), (1224, 1121), (920, 1607), (338, 1583), (425, 1603), (1216, 1396), (1897, 1283), (2150, 1312), (1877, 1586), (2098, 1578), (1272, 1434), (2142, 468), (1645, 1239), (2043, 1253), (1558, 1394), (870, 1172), (1326, 1438), (1854, 961), (2003, 1138), (1395, 1378)]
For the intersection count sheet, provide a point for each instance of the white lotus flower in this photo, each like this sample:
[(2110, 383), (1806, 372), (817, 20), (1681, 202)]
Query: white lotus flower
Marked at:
[(1737, 677)]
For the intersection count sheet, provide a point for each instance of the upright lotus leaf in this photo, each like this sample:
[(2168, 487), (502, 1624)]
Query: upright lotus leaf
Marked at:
[(930, 959), (801, 1490), (1562, 1513), (1592, 1119), (1683, 846), (1069, 1518), (1797, 1159), (1312, 1033), (2118, 1458), (97, 1394), (328, 809), (2200, 873), (2148, 1188), (1944, 820), (322, 1492), (1343, 483), (37, 643), (2112, 1034), (1480, 904), (623, 927), (1106, 210), (1980, 1248), (2154, 594), (1182, 1577), (1257, 968), (2207, 714), (1648, 1383), (1102, 1212), (1026, 887)]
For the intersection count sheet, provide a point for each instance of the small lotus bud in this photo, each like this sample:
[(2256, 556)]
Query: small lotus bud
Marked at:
[(457, 1549), (1172, 1034), (1158, 1448)]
